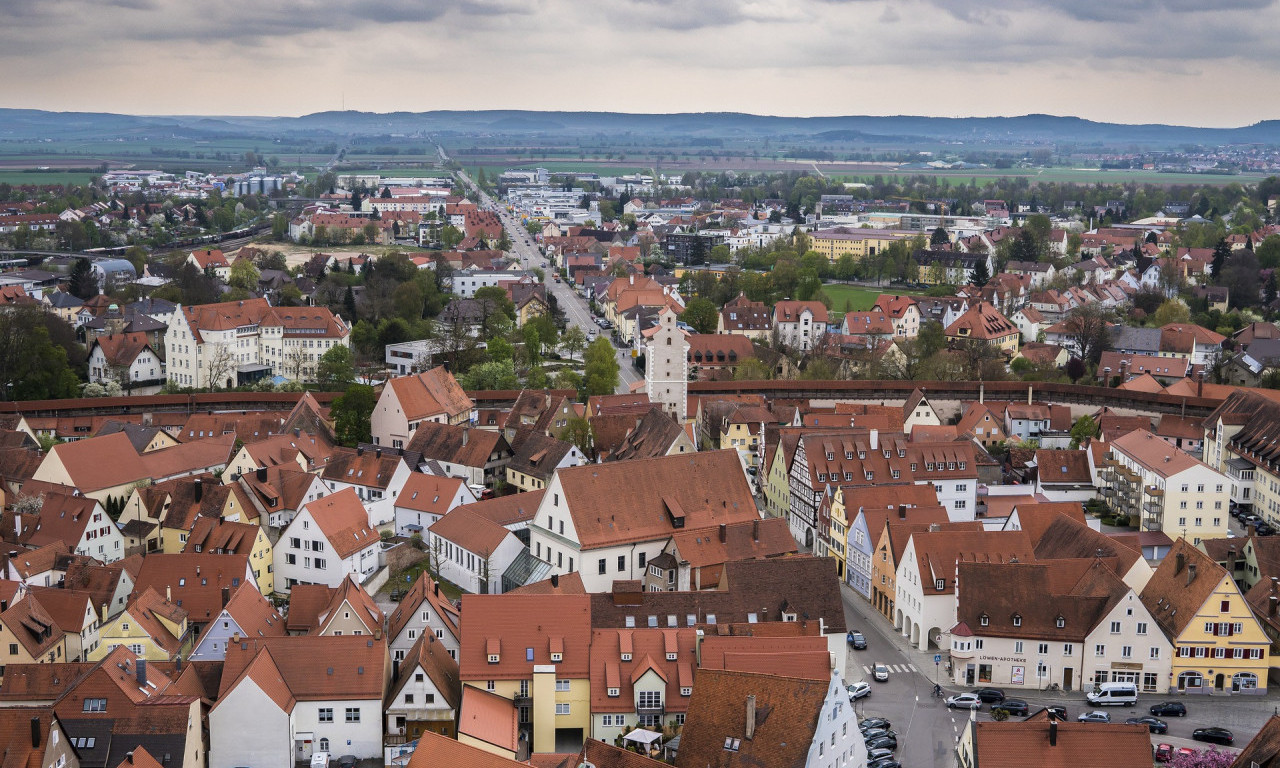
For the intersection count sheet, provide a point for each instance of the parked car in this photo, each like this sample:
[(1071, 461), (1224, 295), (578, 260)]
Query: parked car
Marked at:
[(874, 722), (1057, 710), (1096, 716), (990, 695), (858, 690), (347, 761), (874, 755), (1187, 751), (1163, 753), (1016, 707), (1166, 708), (881, 673), (1213, 735), (887, 741), (964, 701), (858, 641), (885, 762), (875, 733), (1154, 724)]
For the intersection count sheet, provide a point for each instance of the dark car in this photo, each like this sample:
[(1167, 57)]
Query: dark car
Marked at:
[(1016, 707), (347, 761), (1056, 710), (1167, 708), (1154, 724), (878, 753), (874, 722), (990, 695), (887, 741), (885, 762), (858, 642), (1213, 735), (875, 733)]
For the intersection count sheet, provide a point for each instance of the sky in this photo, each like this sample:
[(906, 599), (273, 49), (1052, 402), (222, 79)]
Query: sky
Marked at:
[(1187, 62)]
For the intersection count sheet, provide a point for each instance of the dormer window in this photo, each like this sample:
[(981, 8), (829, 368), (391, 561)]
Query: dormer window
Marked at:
[(941, 584), (614, 692), (984, 620), (1017, 620), (1060, 622), (626, 657), (557, 657), (671, 656), (870, 475), (493, 658), (962, 466), (831, 456), (848, 455), (887, 453), (862, 455)]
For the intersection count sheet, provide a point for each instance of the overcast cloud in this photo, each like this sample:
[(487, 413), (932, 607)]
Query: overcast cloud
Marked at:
[(1174, 61)]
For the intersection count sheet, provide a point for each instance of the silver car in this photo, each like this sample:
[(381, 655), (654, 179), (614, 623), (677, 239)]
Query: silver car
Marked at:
[(881, 673), (964, 701)]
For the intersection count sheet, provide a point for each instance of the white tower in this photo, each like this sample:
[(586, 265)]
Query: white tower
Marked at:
[(666, 374)]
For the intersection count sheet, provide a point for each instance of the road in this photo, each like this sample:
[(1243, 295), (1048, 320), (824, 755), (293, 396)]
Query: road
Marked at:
[(927, 730), (573, 305)]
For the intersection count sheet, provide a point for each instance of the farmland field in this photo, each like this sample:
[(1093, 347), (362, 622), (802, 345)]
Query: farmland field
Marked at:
[(43, 178)]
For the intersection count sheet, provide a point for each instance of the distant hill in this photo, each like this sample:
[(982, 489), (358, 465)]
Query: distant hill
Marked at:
[(31, 124)]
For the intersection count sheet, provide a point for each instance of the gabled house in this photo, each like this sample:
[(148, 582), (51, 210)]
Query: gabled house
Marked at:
[(78, 521), (161, 517), (864, 513), (315, 609), (478, 456), (1054, 742), (407, 402), (1219, 645), (219, 536), (328, 540), (246, 616), (473, 552), (423, 610), (984, 422), (194, 582), (152, 627), (582, 526), (903, 311), (926, 579), (284, 698), (74, 612), (536, 457), (375, 475), (745, 317), (279, 492), (799, 324), (983, 322), (640, 678), (695, 558), (125, 358), (532, 653), (32, 635), (918, 411), (426, 693), (1065, 475), (770, 720), (424, 499)]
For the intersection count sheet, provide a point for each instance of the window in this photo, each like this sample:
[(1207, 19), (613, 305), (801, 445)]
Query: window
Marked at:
[(1099, 650), (95, 705), (1067, 649), (601, 566), (562, 709), (1017, 620), (1115, 627), (326, 715), (1060, 622), (1142, 627), (622, 563), (1126, 651), (686, 691), (1155, 653), (984, 620), (1017, 647), (408, 698), (562, 685), (353, 714), (650, 699), (1043, 649), (613, 692)]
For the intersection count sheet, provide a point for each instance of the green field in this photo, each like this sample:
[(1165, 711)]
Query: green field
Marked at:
[(850, 298), (1062, 175), (20, 178)]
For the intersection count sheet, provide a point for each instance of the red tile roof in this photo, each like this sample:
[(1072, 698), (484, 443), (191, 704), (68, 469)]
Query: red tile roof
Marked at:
[(510, 625), (344, 522), (430, 393)]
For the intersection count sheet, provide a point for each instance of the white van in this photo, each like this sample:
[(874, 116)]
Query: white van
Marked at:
[(1113, 694)]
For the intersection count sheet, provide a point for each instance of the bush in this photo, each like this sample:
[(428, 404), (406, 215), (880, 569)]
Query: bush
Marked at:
[(1108, 520), (1122, 520)]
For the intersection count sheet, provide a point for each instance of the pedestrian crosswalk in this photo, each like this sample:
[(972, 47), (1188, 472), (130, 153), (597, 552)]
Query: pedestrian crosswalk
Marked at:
[(895, 668)]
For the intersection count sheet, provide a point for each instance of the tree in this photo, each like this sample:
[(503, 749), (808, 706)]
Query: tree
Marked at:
[(279, 226), (407, 300), (1171, 311), (601, 368), (336, 369), (1209, 758), (1024, 247), (33, 365), (1241, 279), (573, 340), (1220, 253), (752, 369), (567, 379), (1089, 331), (939, 237), (1083, 428), (244, 276), (83, 284), (980, 274), (221, 366), (578, 430), (496, 374), (701, 314), (350, 413)]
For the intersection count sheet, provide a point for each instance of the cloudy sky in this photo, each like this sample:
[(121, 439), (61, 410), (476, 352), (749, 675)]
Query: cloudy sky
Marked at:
[(1192, 62)]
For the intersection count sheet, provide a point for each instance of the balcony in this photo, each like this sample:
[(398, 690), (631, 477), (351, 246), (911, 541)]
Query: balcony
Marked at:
[(660, 710), (1152, 523), (1154, 492)]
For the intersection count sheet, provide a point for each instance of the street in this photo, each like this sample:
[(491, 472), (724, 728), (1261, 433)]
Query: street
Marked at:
[(927, 730), (573, 305)]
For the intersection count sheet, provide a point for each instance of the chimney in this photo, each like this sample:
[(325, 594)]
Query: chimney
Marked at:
[(1250, 530), (1178, 562), (755, 529), (982, 391), (751, 716), (226, 596), (724, 533), (902, 511), (105, 617), (1191, 573), (35, 733), (875, 439), (360, 449), (262, 474), (168, 594), (1053, 732), (140, 668), (199, 489), (465, 434), (1231, 559), (1272, 602), (437, 587), (555, 581), (1029, 395), (129, 756), (395, 668)]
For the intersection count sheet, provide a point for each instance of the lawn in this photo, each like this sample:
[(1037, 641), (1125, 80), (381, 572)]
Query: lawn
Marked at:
[(850, 298), (43, 178), (404, 579)]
